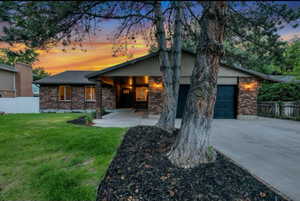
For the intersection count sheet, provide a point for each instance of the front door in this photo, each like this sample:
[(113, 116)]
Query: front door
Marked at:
[(126, 98)]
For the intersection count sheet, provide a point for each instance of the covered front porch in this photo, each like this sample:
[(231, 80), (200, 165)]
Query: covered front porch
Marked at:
[(135, 92)]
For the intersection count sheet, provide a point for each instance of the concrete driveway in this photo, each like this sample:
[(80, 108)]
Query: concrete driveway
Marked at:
[(268, 148)]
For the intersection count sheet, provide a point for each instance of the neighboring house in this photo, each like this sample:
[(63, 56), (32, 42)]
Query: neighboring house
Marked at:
[(138, 84), (15, 81)]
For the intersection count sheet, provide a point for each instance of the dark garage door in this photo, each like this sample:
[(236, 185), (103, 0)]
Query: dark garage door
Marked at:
[(225, 107)]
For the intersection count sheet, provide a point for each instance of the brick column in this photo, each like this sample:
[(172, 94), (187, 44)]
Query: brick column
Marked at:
[(247, 97), (155, 95), (99, 99)]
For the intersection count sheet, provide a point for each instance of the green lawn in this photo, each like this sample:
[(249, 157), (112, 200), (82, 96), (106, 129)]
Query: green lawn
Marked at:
[(44, 158)]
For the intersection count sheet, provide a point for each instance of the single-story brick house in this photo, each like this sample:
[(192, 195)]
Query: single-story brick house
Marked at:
[(137, 84)]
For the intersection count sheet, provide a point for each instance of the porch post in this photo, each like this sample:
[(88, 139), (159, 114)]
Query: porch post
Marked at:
[(98, 99)]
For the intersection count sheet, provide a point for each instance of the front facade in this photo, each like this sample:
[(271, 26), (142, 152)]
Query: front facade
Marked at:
[(15, 81), (138, 84), (73, 98)]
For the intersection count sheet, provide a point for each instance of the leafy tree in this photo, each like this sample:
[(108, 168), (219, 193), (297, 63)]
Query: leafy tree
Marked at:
[(249, 26), (279, 92), (10, 57), (292, 59), (192, 147), (39, 73)]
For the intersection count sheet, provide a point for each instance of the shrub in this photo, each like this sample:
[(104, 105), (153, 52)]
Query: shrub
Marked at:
[(88, 119), (279, 92)]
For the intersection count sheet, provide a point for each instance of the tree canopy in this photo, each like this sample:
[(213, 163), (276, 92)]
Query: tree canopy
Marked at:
[(11, 57), (39, 73), (252, 34)]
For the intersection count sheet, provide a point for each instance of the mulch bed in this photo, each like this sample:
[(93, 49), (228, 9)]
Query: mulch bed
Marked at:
[(141, 172), (79, 121)]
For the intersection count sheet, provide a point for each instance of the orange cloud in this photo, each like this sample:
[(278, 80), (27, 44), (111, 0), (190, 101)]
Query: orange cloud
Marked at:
[(93, 55), (98, 55), (290, 36)]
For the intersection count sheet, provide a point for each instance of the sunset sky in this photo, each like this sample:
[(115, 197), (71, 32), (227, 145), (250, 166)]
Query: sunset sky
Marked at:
[(98, 54)]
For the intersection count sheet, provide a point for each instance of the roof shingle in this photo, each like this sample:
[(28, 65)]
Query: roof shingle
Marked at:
[(8, 68), (67, 77)]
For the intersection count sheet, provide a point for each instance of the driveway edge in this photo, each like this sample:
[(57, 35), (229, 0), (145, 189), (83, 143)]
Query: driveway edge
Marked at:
[(256, 177)]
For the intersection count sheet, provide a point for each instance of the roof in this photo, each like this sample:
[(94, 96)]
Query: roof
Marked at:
[(253, 73), (8, 68), (285, 78), (67, 77), (121, 65), (244, 70)]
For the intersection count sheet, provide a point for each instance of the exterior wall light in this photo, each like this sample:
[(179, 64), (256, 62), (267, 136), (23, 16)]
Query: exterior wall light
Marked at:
[(157, 85), (249, 86)]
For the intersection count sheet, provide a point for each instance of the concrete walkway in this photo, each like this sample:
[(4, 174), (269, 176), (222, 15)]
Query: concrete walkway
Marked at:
[(127, 118), (268, 148)]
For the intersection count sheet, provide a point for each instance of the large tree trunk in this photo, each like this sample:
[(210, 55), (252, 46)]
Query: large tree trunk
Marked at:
[(170, 72), (192, 146)]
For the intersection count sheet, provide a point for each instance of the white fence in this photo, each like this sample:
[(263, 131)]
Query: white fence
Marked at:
[(20, 105)]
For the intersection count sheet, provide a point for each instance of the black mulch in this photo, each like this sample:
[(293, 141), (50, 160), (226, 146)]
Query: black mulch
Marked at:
[(141, 172), (79, 121)]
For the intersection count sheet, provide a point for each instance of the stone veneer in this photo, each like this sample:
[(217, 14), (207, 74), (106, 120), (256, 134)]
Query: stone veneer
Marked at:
[(246, 103), (49, 99), (247, 97), (155, 95), (7, 94)]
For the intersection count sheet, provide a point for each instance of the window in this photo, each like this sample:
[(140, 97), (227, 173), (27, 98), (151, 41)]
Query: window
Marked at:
[(64, 93), (141, 94), (90, 94)]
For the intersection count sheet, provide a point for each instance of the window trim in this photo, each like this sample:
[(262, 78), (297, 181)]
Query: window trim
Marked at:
[(85, 91), (147, 93), (65, 93)]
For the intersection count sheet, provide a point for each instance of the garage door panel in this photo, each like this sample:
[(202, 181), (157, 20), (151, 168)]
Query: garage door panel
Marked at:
[(225, 107)]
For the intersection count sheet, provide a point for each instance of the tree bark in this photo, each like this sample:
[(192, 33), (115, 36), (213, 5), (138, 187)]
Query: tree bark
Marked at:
[(192, 147), (170, 72)]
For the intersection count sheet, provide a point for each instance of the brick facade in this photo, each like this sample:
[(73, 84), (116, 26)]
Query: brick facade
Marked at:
[(109, 97), (247, 97), (49, 99), (155, 95)]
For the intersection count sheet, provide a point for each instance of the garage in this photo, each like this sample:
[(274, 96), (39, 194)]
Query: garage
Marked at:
[(225, 107)]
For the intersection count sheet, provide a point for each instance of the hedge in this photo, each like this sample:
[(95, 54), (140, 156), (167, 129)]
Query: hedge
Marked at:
[(279, 92)]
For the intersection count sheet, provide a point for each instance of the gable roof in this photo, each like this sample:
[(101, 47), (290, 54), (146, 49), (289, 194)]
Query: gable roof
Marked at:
[(133, 61), (286, 78), (121, 65), (8, 68), (67, 77)]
